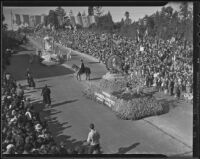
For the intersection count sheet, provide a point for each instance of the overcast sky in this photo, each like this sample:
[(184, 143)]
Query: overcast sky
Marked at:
[(116, 12)]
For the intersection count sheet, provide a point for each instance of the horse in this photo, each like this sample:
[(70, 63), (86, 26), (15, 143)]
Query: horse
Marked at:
[(86, 70)]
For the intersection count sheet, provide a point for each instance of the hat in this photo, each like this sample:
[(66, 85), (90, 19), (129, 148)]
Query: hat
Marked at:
[(38, 127), (10, 146), (91, 126)]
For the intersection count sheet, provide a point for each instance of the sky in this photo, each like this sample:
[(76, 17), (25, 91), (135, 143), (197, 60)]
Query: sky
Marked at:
[(117, 12)]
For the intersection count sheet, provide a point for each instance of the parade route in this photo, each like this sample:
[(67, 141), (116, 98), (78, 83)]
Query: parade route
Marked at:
[(71, 112)]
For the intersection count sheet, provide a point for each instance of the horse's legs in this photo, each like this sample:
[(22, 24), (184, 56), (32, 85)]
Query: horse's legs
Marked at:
[(77, 76)]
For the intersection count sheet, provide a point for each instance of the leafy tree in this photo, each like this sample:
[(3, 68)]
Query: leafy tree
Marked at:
[(5, 27), (90, 10), (184, 10), (98, 11), (52, 19), (60, 11), (79, 14), (105, 22)]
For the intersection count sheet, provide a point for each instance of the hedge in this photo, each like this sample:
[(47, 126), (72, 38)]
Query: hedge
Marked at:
[(129, 106)]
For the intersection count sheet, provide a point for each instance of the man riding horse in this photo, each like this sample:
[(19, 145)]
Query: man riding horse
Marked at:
[(83, 70)]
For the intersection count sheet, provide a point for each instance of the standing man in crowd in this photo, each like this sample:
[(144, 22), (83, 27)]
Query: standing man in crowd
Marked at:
[(93, 141), (46, 92), (20, 92)]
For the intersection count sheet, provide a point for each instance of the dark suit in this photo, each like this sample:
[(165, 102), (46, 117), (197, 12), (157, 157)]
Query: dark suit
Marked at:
[(46, 95)]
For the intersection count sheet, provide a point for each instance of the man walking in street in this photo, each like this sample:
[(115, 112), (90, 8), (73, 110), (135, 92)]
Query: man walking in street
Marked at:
[(46, 96), (93, 141)]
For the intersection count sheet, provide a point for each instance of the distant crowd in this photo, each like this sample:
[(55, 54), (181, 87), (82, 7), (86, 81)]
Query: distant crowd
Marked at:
[(166, 64)]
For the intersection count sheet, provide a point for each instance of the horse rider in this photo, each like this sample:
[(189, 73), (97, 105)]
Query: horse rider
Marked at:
[(82, 67)]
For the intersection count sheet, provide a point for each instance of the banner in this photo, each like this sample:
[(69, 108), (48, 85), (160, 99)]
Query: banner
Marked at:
[(91, 19), (85, 21), (32, 21), (78, 20), (73, 21), (37, 19), (22, 19), (43, 19), (26, 19), (17, 21)]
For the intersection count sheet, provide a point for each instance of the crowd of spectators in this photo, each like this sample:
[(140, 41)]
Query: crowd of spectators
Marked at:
[(166, 64), (23, 131)]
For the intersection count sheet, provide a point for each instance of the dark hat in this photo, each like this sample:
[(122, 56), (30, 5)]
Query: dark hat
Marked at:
[(91, 126)]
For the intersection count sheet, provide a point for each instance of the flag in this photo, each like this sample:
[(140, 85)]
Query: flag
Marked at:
[(37, 19), (88, 19), (22, 19), (45, 20), (17, 17), (91, 19), (85, 21), (32, 21), (73, 21), (42, 19), (78, 20), (26, 19)]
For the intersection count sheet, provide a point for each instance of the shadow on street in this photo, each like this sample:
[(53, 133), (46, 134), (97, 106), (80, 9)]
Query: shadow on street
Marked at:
[(57, 128), (38, 70), (123, 150), (65, 102)]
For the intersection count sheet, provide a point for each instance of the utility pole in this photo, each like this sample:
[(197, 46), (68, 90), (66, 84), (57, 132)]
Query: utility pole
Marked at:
[(11, 19)]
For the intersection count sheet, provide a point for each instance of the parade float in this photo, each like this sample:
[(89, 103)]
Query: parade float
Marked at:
[(48, 54), (125, 95)]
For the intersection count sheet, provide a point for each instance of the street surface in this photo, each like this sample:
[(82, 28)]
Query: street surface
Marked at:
[(71, 112)]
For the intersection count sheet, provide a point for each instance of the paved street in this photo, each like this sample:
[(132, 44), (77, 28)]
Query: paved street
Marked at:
[(71, 113)]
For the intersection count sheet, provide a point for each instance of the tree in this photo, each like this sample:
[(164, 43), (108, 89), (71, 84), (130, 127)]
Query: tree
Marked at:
[(52, 19), (98, 11), (60, 11), (79, 14), (5, 27), (105, 22), (90, 10), (184, 10), (60, 14), (127, 20)]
